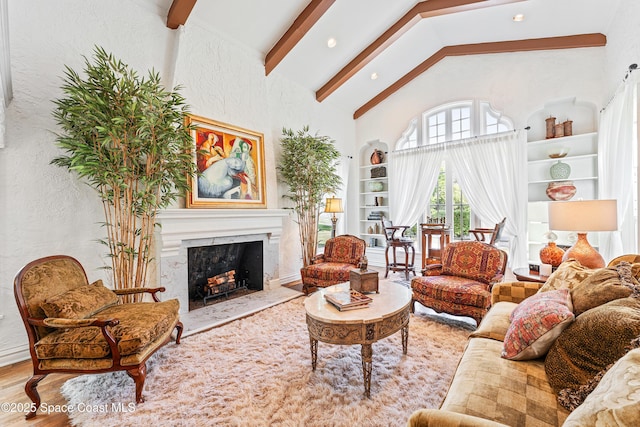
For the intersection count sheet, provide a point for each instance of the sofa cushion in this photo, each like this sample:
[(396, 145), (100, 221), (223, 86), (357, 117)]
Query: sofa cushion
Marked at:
[(140, 324), (536, 323), (496, 322), (474, 260), (507, 391), (453, 289), (78, 303), (604, 285), (567, 275), (616, 399), (596, 339)]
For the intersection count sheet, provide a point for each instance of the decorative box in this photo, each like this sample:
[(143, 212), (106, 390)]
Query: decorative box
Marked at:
[(378, 172), (363, 281)]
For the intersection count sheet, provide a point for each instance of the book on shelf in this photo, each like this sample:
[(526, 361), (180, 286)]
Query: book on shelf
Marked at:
[(348, 299)]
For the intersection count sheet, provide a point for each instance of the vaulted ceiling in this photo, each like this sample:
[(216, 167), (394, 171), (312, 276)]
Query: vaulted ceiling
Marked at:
[(397, 40)]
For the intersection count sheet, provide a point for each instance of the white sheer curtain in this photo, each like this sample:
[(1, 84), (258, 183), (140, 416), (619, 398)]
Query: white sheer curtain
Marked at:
[(413, 176), (5, 69), (491, 171), (615, 168), (343, 170)]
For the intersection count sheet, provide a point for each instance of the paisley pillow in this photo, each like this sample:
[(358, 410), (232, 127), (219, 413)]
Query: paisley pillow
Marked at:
[(81, 302)]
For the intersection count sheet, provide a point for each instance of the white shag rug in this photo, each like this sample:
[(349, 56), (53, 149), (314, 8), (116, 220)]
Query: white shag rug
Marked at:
[(257, 371)]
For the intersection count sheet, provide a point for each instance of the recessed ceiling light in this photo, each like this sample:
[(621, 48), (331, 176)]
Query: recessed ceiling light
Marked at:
[(374, 76), (519, 17), (331, 42)]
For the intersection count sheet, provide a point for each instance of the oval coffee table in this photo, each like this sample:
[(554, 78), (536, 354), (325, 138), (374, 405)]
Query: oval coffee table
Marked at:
[(387, 314)]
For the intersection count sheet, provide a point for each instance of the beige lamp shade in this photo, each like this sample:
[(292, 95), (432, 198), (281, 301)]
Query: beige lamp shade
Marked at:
[(333, 205), (584, 215)]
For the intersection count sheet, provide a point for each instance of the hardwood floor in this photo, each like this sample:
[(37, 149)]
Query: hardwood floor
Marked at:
[(12, 381)]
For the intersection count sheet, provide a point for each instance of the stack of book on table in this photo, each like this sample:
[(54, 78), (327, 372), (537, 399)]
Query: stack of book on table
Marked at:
[(348, 300)]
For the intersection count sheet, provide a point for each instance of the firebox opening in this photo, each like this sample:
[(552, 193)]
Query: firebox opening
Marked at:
[(221, 272)]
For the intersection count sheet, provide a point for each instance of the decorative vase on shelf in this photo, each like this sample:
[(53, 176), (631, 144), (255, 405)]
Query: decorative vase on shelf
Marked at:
[(551, 254), (551, 123), (377, 157), (375, 186), (568, 127), (561, 190), (558, 131), (560, 170)]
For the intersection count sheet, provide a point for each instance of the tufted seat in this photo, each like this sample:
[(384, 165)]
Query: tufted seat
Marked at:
[(462, 284)]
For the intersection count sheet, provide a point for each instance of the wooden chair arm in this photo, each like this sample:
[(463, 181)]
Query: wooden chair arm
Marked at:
[(132, 291), (432, 270), (317, 259)]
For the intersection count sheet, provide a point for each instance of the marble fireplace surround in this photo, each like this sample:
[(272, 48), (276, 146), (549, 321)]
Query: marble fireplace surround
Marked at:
[(184, 228)]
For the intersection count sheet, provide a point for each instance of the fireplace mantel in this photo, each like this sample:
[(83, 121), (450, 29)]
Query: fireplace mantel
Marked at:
[(178, 225), (181, 229)]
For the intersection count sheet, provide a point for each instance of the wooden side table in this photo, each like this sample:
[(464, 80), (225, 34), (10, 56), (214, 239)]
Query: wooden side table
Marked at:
[(430, 232), (524, 275)]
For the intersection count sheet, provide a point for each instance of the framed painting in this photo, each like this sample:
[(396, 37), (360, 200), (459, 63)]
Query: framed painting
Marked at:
[(230, 164)]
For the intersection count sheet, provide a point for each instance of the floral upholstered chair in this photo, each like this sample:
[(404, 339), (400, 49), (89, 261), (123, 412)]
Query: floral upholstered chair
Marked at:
[(341, 254), (77, 327), (462, 284)]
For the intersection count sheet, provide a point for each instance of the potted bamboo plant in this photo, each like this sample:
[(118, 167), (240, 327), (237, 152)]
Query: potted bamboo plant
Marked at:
[(308, 168), (126, 137)]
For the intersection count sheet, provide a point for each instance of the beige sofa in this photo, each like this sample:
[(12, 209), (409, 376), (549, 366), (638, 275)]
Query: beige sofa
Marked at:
[(488, 390)]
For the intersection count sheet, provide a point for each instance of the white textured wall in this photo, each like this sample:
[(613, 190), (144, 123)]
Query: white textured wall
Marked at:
[(44, 210)]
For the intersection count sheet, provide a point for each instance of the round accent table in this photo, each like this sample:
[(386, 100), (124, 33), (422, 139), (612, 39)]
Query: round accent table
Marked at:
[(387, 314)]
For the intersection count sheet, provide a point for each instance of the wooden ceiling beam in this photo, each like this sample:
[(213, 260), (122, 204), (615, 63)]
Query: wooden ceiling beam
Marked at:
[(303, 23), (549, 43), (422, 10), (179, 12)]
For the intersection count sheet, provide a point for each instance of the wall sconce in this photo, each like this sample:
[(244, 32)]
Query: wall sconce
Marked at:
[(583, 216), (333, 206)]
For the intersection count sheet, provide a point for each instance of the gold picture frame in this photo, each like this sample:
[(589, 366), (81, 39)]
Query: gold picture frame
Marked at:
[(230, 164)]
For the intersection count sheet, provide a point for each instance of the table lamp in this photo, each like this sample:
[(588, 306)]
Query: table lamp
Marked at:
[(333, 206), (582, 216)]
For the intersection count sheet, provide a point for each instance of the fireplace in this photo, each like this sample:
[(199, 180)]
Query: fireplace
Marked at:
[(181, 230), (217, 272)]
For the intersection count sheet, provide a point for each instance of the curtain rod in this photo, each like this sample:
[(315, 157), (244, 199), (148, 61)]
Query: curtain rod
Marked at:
[(630, 70)]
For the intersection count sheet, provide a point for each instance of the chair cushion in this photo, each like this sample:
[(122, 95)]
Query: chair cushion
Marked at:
[(536, 323), (335, 272), (453, 289), (81, 302), (140, 324), (473, 260), (344, 249)]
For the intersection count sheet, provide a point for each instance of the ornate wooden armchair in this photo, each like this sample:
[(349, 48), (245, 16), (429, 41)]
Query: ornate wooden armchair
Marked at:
[(462, 284), (493, 234), (77, 327), (341, 254)]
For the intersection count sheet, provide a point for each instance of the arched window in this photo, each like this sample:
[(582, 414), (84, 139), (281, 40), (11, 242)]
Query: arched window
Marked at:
[(440, 125)]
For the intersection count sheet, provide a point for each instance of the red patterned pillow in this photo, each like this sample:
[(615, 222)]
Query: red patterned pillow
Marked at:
[(536, 323), (473, 260)]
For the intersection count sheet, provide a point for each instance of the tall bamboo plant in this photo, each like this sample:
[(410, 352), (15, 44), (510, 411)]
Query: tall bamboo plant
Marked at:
[(126, 136), (308, 167)]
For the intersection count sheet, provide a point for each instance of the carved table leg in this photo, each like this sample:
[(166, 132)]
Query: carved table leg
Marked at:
[(314, 352), (367, 353), (405, 339)]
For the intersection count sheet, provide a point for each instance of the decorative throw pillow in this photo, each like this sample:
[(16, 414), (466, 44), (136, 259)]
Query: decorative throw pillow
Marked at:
[(78, 303), (616, 398), (536, 323), (567, 275), (596, 339), (604, 285)]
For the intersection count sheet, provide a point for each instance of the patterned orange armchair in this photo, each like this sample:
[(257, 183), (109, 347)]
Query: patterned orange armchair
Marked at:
[(77, 327), (462, 284), (341, 254)]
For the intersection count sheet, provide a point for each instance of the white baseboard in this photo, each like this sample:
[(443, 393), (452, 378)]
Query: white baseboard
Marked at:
[(14, 355)]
